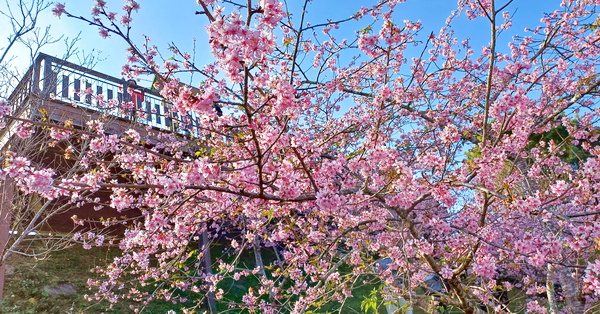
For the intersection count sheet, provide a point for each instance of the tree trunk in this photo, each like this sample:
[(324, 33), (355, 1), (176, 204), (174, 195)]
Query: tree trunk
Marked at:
[(207, 259), (570, 291), (551, 294)]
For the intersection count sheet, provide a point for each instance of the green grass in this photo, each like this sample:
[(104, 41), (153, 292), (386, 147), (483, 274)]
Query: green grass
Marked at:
[(27, 278)]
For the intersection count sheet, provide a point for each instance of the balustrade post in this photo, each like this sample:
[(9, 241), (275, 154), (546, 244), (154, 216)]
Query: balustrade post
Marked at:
[(37, 67), (49, 78)]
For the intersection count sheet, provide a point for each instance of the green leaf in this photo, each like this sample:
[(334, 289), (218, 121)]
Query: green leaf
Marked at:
[(367, 29), (288, 40), (370, 302)]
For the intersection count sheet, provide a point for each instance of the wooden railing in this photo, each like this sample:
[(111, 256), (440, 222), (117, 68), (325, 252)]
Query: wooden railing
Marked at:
[(22, 91), (20, 102)]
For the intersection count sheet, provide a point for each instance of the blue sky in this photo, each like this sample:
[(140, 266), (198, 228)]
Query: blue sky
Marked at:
[(175, 21)]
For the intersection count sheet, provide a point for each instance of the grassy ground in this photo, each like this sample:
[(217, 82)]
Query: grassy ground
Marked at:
[(28, 280)]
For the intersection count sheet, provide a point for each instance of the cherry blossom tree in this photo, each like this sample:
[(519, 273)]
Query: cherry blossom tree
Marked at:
[(389, 156)]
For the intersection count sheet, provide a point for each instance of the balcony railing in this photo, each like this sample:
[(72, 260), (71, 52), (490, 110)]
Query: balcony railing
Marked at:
[(62, 81)]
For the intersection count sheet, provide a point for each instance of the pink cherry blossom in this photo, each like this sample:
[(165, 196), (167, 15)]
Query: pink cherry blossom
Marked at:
[(58, 9), (25, 131)]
